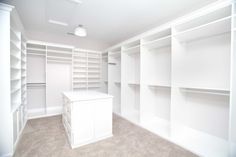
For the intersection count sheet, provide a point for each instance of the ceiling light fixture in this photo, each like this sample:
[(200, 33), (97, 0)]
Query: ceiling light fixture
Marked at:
[(80, 31)]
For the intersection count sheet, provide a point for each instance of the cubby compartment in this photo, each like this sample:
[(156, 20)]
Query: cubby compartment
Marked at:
[(131, 66), (36, 99), (156, 62), (155, 109), (202, 63), (130, 107), (194, 125)]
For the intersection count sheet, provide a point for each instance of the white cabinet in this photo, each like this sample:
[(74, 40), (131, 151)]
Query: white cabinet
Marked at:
[(87, 116)]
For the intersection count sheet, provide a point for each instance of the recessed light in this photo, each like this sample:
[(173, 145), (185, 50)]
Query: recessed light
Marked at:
[(76, 1), (58, 22)]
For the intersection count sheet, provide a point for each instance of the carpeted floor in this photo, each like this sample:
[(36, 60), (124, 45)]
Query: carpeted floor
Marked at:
[(46, 137)]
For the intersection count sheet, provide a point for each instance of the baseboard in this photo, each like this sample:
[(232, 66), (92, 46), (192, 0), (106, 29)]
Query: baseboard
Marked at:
[(41, 112), (54, 110), (35, 112)]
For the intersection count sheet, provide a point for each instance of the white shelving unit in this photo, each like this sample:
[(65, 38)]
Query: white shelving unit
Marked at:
[(23, 80), (130, 81), (156, 82), (94, 70), (15, 62), (75, 69), (12, 60), (36, 79), (179, 78), (104, 73), (86, 70), (114, 78)]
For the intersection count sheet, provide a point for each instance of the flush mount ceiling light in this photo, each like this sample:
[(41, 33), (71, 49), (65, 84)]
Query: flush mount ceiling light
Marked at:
[(79, 31)]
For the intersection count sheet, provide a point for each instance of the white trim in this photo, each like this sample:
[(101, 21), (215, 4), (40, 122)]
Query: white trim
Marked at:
[(40, 113), (54, 110)]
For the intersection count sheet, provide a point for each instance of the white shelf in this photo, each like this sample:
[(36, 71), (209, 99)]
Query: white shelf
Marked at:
[(206, 91), (36, 49), (159, 85), (96, 72), (14, 47), (14, 35), (210, 29), (78, 82), (15, 79), (36, 54), (59, 52), (17, 58), (15, 106), (135, 49), (15, 68), (162, 42), (15, 90), (115, 54), (76, 71), (58, 61), (58, 57), (134, 83)]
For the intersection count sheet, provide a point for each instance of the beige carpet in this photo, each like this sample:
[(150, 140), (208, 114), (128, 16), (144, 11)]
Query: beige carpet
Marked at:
[(46, 137)]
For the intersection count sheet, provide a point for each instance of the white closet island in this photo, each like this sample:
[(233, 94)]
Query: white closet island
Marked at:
[(87, 116)]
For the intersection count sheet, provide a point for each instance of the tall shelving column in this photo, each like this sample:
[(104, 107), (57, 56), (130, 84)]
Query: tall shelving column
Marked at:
[(155, 88), (114, 78), (104, 72), (94, 70), (23, 79), (130, 81), (36, 79), (232, 108), (58, 65), (201, 82), (79, 70), (15, 62)]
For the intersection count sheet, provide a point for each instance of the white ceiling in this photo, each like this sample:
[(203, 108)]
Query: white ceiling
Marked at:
[(107, 21)]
